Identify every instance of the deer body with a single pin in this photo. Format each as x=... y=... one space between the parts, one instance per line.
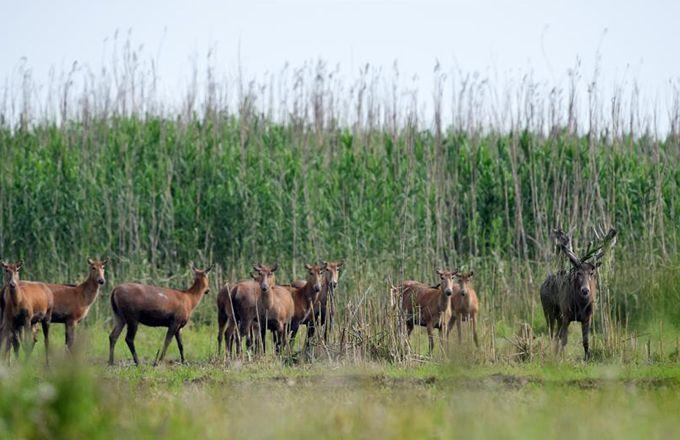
x=305 y=298
x=570 y=295
x=429 y=307
x=238 y=305
x=153 y=306
x=465 y=306
x=72 y=302
x=24 y=304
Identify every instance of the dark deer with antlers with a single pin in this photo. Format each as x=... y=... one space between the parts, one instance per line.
x=135 y=304
x=570 y=295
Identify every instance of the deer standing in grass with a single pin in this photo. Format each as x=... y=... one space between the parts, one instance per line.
x=570 y=295
x=236 y=303
x=306 y=298
x=277 y=309
x=23 y=305
x=324 y=308
x=429 y=307
x=72 y=302
x=153 y=306
x=465 y=305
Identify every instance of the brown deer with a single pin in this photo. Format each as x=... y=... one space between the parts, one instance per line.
x=135 y=304
x=23 y=305
x=306 y=298
x=429 y=307
x=277 y=308
x=465 y=305
x=324 y=308
x=235 y=304
x=72 y=302
x=570 y=295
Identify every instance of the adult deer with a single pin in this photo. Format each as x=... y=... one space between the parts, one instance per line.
x=324 y=307
x=153 y=306
x=465 y=305
x=72 y=302
x=23 y=305
x=570 y=295
x=306 y=298
x=429 y=307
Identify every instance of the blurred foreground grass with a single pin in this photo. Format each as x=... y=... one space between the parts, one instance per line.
x=268 y=398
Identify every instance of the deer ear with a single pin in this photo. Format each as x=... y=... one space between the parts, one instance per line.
x=209 y=268
x=308 y=267
x=340 y=264
x=256 y=267
x=105 y=260
x=20 y=264
x=471 y=273
x=3 y=264
x=90 y=262
x=439 y=272
x=274 y=267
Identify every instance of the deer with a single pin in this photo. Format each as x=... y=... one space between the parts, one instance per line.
x=465 y=305
x=72 y=302
x=324 y=308
x=153 y=306
x=23 y=305
x=570 y=295
x=277 y=308
x=237 y=303
x=429 y=307
x=306 y=298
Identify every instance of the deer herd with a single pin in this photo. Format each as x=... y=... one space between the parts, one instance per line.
x=248 y=308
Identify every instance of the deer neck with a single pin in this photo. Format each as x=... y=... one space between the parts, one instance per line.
x=197 y=291
x=89 y=289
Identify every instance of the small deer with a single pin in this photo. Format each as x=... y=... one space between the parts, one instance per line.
x=465 y=305
x=429 y=307
x=23 y=305
x=135 y=304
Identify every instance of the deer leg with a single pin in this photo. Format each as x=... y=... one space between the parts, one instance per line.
x=28 y=337
x=180 y=345
x=70 y=335
x=294 y=327
x=46 y=334
x=409 y=328
x=473 y=319
x=430 y=337
x=221 y=326
x=229 y=335
x=168 y=338
x=562 y=337
x=14 y=339
x=263 y=336
x=459 y=319
x=130 y=340
x=585 y=330
x=113 y=337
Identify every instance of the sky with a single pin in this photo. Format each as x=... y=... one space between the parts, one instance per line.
x=634 y=40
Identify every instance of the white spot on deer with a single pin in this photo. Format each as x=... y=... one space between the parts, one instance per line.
x=162 y=295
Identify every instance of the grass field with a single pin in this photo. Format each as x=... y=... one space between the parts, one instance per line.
x=265 y=398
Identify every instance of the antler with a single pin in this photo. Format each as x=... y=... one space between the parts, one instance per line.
x=564 y=243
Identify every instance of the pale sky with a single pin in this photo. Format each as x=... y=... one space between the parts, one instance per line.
x=636 y=39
